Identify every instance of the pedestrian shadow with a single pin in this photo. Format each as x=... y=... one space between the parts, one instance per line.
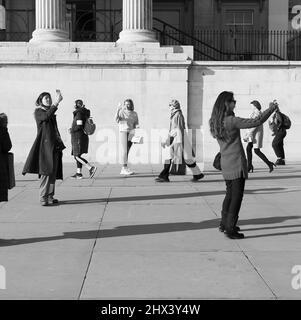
x=169 y=196
x=270 y=177
x=137 y=175
x=134 y=230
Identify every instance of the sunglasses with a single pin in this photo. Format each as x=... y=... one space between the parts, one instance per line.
x=234 y=101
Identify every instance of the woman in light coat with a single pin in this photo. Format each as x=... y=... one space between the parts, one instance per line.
x=254 y=138
x=180 y=146
x=127 y=120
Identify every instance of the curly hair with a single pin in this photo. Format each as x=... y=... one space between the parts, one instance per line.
x=218 y=114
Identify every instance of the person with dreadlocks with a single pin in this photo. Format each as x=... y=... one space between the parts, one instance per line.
x=180 y=147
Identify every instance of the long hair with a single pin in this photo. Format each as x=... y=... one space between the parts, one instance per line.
x=130 y=101
x=219 y=112
x=40 y=98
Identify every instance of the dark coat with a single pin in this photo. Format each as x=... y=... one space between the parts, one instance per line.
x=79 y=139
x=5 y=146
x=48 y=140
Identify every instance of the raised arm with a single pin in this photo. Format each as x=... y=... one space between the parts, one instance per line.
x=42 y=115
x=117 y=116
x=245 y=123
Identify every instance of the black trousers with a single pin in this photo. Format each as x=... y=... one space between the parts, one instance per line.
x=257 y=152
x=278 y=144
x=79 y=164
x=232 y=203
x=165 y=172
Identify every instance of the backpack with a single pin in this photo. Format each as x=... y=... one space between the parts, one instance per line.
x=89 y=127
x=286 y=121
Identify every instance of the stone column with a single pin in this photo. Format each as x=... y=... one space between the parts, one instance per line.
x=50 y=21
x=137 y=22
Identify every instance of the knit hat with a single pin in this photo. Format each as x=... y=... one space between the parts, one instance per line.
x=256 y=104
x=79 y=103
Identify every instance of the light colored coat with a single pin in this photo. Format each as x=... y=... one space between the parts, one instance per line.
x=255 y=135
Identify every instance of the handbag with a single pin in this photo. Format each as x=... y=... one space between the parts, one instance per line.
x=136 y=136
x=178 y=169
x=217 y=162
x=11 y=171
x=137 y=139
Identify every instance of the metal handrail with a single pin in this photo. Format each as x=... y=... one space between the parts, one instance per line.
x=194 y=39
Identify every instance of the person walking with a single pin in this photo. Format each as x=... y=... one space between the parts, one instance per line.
x=128 y=121
x=254 y=138
x=5 y=146
x=180 y=147
x=225 y=127
x=45 y=156
x=80 y=140
x=279 y=130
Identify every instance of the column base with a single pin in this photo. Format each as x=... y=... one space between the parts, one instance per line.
x=52 y=35
x=127 y=36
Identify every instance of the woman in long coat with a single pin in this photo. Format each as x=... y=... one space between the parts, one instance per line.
x=45 y=156
x=80 y=140
x=5 y=146
x=225 y=127
x=180 y=146
x=254 y=138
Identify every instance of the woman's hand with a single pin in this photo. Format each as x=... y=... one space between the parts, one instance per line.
x=59 y=96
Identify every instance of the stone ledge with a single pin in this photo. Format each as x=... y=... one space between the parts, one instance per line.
x=285 y=63
x=94 y=53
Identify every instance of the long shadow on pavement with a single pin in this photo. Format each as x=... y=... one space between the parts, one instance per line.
x=171 y=196
x=143 y=229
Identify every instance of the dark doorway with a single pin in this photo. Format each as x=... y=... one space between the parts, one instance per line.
x=81 y=20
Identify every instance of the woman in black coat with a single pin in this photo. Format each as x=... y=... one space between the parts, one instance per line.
x=5 y=146
x=80 y=140
x=279 y=130
x=45 y=156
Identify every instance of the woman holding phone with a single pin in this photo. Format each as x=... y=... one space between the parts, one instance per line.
x=45 y=156
x=225 y=127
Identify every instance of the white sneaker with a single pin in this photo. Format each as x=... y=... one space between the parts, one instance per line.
x=126 y=172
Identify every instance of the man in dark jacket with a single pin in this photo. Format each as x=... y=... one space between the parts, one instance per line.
x=80 y=140
x=45 y=156
x=5 y=146
x=277 y=124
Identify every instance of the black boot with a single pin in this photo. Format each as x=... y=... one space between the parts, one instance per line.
x=234 y=235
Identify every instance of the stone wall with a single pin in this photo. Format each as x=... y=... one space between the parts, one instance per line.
x=102 y=74
x=262 y=81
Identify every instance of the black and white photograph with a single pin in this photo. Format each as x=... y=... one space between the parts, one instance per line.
x=150 y=151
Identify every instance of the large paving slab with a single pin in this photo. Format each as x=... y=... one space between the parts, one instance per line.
x=172 y=275
x=130 y=237
x=45 y=261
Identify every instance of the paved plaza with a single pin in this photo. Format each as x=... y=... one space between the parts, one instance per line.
x=113 y=237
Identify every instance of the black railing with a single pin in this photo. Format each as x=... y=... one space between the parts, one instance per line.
x=218 y=45
x=229 y=45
